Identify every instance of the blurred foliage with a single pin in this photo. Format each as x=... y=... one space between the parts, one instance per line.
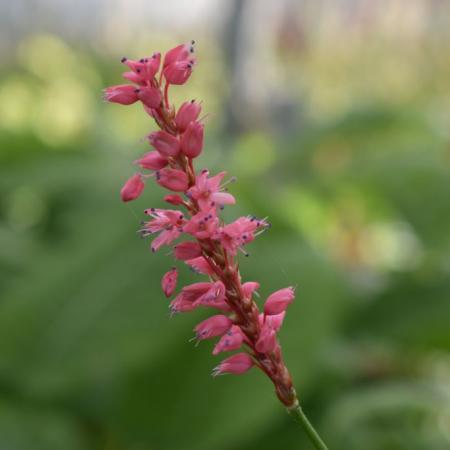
x=89 y=357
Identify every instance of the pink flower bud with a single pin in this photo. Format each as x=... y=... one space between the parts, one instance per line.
x=187 y=250
x=125 y=94
x=152 y=161
x=212 y=327
x=249 y=287
x=236 y=364
x=277 y=302
x=178 y=72
x=169 y=282
x=173 y=199
x=178 y=53
x=165 y=143
x=274 y=321
x=200 y=265
x=173 y=179
x=267 y=340
x=231 y=340
x=187 y=113
x=192 y=140
x=145 y=68
x=149 y=96
x=133 y=188
x=133 y=77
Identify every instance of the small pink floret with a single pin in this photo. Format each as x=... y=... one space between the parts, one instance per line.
x=133 y=188
x=173 y=179
x=187 y=250
x=152 y=161
x=236 y=364
x=124 y=94
x=165 y=143
x=192 y=139
x=231 y=340
x=212 y=327
x=277 y=302
x=169 y=282
x=187 y=113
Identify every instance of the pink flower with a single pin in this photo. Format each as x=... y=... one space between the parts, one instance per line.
x=200 y=265
x=173 y=199
x=236 y=364
x=249 y=287
x=231 y=340
x=149 y=96
x=178 y=72
x=207 y=191
x=166 y=144
x=125 y=94
x=169 y=282
x=133 y=188
x=144 y=69
x=277 y=302
x=274 y=321
x=192 y=139
x=173 y=179
x=202 y=225
x=214 y=297
x=152 y=161
x=165 y=221
x=187 y=113
x=212 y=327
x=185 y=300
x=187 y=250
x=238 y=233
x=267 y=340
x=179 y=53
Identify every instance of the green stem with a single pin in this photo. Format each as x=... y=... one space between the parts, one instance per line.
x=299 y=416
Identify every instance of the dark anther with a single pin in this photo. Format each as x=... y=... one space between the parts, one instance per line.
x=123 y=59
x=142 y=60
x=138 y=70
x=193 y=101
x=192 y=42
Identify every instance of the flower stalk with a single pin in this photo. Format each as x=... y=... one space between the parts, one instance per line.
x=212 y=246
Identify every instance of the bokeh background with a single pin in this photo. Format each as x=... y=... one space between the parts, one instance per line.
x=334 y=116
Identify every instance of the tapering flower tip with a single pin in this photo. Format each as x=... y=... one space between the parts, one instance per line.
x=133 y=188
x=172 y=179
x=236 y=364
x=173 y=199
x=124 y=94
x=277 y=302
x=169 y=282
x=187 y=113
x=179 y=71
x=192 y=139
x=249 y=287
x=166 y=144
x=231 y=340
x=200 y=265
x=152 y=161
x=179 y=53
x=187 y=250
x=149 y=96
x=212 y=327
x=267 y=340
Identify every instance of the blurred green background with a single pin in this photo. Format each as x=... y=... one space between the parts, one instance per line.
x=334 y=116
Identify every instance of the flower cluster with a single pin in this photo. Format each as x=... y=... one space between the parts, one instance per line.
x=209 y=246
